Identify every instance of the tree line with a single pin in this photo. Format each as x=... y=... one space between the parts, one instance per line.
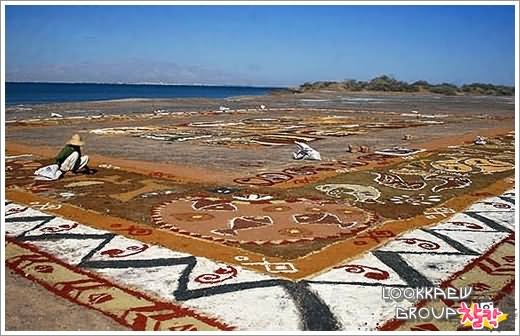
x=389 y=84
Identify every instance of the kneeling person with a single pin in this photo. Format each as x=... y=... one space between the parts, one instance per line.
x=70 y=158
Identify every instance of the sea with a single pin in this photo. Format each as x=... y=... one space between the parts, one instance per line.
x=44 y=93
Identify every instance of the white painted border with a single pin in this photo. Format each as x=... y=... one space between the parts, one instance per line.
x=271 y=3
x=142 y=284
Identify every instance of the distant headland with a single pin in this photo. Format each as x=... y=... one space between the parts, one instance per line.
x=387 y=83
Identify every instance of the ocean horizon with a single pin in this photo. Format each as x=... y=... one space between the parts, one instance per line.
x=19 y=93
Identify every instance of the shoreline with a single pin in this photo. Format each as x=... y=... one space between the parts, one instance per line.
x=55 y=93
x=271 y=93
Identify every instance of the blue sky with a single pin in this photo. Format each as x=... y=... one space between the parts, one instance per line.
x=259 y=45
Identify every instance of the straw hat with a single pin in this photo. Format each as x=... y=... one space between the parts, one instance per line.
x=75 y=140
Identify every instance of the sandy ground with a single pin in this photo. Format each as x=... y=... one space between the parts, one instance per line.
x=54 y=314
x=507 y=305
x=485 y=116
x=473 y=115
x=425 y=103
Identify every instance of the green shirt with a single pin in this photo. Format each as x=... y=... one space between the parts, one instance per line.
x=64 y=154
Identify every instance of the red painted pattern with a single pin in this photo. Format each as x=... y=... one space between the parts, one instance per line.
x=59 y=228
x=136 y=318
x=422 y=243
x=393 y=324
x=129 y=251
x=374 y=235
x=132 y=230
x=369 y=272
x=219 y=275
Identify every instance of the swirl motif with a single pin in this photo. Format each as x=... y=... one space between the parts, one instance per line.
x=219 y=275
x=376 y=274
x=60 y=228
x=468 y=225
x=118 y=253
x=422 y=243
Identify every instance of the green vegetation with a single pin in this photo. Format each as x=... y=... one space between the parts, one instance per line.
x=389 y=84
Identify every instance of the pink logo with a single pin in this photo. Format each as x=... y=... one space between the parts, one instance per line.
x=480 y=315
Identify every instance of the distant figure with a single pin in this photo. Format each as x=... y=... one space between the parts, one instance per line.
x=305 y=152
x=407 y=137
x=70 y=158
x=363 y=149
x=349 y=148
x=480 y=140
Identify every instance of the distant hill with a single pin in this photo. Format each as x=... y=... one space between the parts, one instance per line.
x=389 y=84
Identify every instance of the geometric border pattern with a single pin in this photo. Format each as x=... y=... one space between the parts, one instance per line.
x=308 y=265
x=130 y=308
x=328 y=301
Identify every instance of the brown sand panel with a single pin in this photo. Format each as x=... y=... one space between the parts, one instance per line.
x=149 y=185
x=348 y=249
x=300 y=180
x=95 y=192
x=308 y=265
x=143 y=233
x=449 y=185
x=274 y=221
x=291 y=251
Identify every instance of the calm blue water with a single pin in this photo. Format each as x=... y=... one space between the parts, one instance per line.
x=38 y=93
